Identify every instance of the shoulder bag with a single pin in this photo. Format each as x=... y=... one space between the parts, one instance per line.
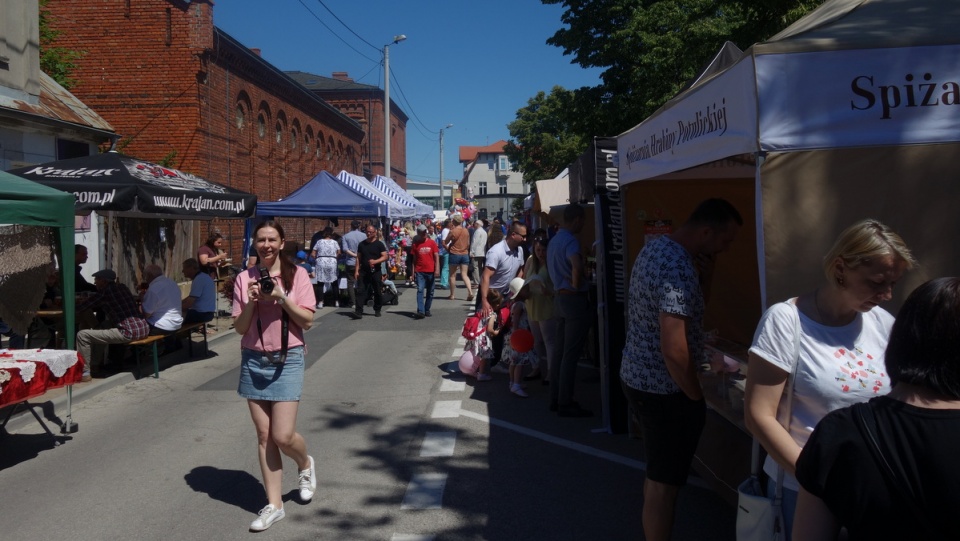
x=758 y=517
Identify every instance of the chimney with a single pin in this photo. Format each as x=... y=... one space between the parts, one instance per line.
x=255 y=51
x=342 y=76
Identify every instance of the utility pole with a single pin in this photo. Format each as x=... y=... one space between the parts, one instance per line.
x=386 y=104
x=441 y=165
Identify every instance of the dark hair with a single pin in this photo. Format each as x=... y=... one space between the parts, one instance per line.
x=327 y=232
x=287 y=267
x=923 y=343
x=535 y=262
x=515 y=224
x=715 y=213
x=495 y=298
x=572 y=212
x=212 y=238
x=355 y=224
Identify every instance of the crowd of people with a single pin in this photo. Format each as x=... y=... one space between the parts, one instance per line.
x=845 y=399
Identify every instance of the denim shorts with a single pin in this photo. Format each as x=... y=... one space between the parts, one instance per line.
x=459 y=260
x=262 y=380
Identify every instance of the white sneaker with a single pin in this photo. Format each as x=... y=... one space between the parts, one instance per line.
x=319 y=305
x=336 y=304
x=308 y=481
x=517 y=390
x=268 y=515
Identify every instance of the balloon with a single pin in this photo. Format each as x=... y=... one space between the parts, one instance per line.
x=468 y=363
x=521 y=340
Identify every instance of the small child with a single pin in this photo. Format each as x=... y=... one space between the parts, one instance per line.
x=481 y=347
x=518 y=320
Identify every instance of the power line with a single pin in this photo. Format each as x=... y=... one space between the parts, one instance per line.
x=345 y=25
x=319 y=20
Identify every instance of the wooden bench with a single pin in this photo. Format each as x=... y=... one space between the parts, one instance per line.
x=153 y=339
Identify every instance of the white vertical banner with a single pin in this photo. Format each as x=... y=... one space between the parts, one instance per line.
x=715 y=121
x=865 y=97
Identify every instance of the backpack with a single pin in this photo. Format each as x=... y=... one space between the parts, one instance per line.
x=473 y=327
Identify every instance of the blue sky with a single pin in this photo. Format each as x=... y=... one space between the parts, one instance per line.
x=470 y=64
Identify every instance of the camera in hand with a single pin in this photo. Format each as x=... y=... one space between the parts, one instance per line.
x=266 y=283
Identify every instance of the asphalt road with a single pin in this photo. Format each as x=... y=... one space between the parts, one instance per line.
x=405 y=451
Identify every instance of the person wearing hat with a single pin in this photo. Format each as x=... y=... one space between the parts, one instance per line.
x=123 y=322
x=426 y=262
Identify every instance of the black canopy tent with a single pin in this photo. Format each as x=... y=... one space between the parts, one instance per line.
x=135 y=188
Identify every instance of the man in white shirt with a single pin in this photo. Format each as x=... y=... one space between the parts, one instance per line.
x=161 y=302
x=478 y=250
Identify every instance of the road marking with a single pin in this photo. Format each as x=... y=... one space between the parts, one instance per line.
x=462 y=341
x=438 y=444
x=457 y=353
x=425 y=491
x=412 y=537
x=446 y=409
x=629 y=462
x=452 y=385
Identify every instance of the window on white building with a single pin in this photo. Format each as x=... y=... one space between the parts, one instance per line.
x=503 y=189
x=504 y=163
x=482 y=188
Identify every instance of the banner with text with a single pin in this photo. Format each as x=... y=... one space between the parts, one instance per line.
x=716 y=121
x=859 y=98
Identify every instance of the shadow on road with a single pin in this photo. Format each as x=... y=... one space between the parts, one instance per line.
x=234 y=487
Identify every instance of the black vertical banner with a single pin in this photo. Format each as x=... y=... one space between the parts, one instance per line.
x=594 y=176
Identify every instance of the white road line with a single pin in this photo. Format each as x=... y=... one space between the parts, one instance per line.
x=636 y=464
x=461 y=341
x=457 y=353
x=425 y=491
x=438 y=444
x=411 y=537
x=446 y=409
x=452 y=385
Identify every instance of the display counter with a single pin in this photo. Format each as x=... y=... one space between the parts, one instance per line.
x=29 y=373
x=723 y=453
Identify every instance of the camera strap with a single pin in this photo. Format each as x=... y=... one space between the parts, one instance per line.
x=284 y=333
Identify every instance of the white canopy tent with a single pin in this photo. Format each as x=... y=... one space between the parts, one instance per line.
x=852 y=112
x=363 y=187
x=387 y=185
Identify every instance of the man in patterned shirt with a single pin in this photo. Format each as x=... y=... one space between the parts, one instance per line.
x=123 y=324
x=664 y=349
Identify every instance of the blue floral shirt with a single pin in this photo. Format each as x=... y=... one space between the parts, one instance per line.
x=663 y=280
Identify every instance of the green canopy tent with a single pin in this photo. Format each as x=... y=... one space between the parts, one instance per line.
x=27 y=203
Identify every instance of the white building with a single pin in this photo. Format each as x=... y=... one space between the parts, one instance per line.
x=487 y=172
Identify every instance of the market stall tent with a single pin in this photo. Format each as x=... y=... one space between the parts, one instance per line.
x=852 y=112
x=386 y=184
x=27 y=203
x=364 y=188
x=323 y=196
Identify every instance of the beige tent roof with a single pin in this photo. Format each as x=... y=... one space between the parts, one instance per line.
x=869 y=24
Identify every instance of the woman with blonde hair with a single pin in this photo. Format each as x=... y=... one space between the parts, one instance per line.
x=823 y=350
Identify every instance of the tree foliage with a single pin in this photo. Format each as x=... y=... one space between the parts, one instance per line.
x=550 y=137
x=57 y=62
x=649 y=50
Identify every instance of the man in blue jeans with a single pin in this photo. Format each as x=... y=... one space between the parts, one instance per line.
x=426 y=261
x=350 y=243
x=572 y=308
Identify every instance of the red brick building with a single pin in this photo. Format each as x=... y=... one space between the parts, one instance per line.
x=176 y=88
x=364 y=103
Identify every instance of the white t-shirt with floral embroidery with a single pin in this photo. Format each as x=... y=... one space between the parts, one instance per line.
x=663 y=280
x=839 y=366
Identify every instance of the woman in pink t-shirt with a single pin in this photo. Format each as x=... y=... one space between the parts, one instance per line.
x=271 y=369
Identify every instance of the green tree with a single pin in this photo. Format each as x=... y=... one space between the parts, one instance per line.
x=649 y=50
x=546 y=137
x=57 y=62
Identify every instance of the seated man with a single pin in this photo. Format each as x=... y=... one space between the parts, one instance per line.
x=161 y=302
x=201 y=304
x=123 y=322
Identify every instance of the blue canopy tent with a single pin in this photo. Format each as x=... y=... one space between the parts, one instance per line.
x=323 y=195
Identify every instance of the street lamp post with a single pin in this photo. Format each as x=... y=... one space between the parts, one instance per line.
x=441 y=164
x=386 y=104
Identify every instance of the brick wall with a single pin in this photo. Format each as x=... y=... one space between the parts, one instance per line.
x=171 y=84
